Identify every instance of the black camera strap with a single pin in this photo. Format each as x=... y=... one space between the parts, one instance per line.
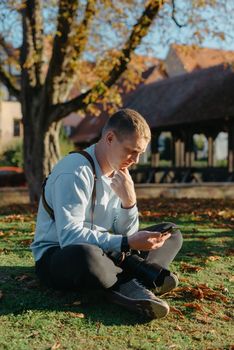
x=50 y=211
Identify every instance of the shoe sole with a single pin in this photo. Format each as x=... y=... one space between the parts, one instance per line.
x=146 y=307
x=170 y=283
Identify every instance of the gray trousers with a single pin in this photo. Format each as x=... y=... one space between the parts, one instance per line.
x=87 y=266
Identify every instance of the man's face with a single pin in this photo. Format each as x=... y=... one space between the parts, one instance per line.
x=124 y=153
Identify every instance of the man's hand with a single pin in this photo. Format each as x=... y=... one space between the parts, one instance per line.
x=123 y=186
x=146 y=240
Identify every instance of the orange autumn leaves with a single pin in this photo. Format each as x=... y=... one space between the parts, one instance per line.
x=196 y=296
x=220 y=212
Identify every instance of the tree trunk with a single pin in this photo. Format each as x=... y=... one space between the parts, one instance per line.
x=40 y=156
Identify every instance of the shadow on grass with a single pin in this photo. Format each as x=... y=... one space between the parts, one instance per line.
x=203 y=244
x=18 y=209
x=22 y=292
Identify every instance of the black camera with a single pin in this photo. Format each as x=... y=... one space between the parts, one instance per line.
x=151 y=274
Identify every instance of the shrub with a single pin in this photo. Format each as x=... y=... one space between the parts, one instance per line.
x=13 y=155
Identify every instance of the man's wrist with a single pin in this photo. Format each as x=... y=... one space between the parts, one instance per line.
x=128 y=206
x=125 y=245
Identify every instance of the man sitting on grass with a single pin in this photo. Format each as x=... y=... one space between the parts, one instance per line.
x=88 y=211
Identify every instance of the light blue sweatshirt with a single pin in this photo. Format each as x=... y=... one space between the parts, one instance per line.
x=68 y=192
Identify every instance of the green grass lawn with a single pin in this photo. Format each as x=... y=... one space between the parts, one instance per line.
x=32 y=317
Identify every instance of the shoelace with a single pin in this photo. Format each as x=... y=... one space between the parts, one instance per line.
x=146 y=291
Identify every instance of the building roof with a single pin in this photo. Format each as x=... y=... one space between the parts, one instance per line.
x=89 y=127
x=190 y=97
x=199 y=96
x=194 y=57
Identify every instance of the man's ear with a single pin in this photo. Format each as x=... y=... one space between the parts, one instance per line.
x=109 y=137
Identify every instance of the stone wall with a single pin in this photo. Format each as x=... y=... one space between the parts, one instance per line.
x=205 y=190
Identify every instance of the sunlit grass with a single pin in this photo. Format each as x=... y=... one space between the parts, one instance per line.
x=33 y=317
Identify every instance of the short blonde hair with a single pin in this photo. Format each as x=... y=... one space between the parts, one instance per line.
x=127 y=121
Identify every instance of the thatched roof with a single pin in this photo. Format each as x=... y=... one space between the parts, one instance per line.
x=200 y=96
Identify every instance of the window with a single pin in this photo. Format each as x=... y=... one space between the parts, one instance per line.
x=16 y=127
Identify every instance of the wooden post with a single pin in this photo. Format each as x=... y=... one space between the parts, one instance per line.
x=231 y=147
x=155 y=156
x=182 y=152
x=210 y=151
x=179 y=151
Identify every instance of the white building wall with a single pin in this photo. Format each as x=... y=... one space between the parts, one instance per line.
x=9 y=111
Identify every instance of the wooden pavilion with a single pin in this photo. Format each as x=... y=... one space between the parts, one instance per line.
x=194 y=103
x=200 y=102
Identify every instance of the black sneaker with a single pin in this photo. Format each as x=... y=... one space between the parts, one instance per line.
x=135 y=297
x=170 y=282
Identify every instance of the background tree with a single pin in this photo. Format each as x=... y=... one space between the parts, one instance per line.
x=44 y=86
x=59 y=45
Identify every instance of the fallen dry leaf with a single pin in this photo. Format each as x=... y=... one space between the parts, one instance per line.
x=213 y=258
x=176 y=311
x=178 y=328
x=26 y=242
x=14 y=217
x=184 y=279
x=201 y=291
x=56 y=346
x=222 y=289
x=195 y=306
x=185 y=267
x=33 y=334
x=204 y=319
x=211 y=294
x=75 y=314
x=227 y=318
x=22 y=278
x=226 y=214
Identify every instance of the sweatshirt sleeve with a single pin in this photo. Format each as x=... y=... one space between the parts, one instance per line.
x=126 y=221
x=71 y=196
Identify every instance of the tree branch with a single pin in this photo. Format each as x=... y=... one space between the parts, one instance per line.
x=36 y=23
x=76 y=44
x=27 y=52
x=173 y=15
x=66 y=15
x=7 y=80
x=139 y=30
x=80 y=37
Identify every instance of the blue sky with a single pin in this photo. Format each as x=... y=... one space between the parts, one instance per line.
x=218 y=19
